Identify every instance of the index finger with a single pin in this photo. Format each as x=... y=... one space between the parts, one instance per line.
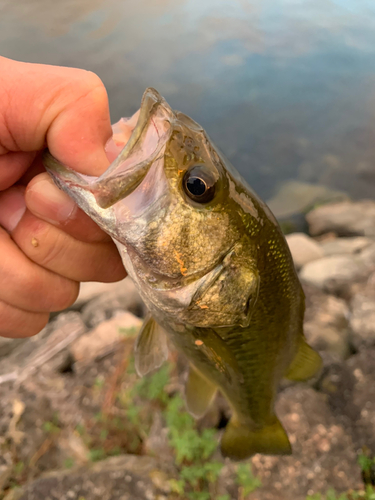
x=64 y=108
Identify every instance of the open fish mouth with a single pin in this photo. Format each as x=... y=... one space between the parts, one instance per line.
x=128 y=170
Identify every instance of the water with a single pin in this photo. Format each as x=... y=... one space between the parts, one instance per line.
x=286 y=88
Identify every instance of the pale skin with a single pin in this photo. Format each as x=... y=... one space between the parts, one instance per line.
x=47 y=244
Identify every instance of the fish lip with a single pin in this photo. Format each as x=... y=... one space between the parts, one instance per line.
x=102 y=187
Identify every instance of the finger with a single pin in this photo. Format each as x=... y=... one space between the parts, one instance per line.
x=45 y=200
x=53 y=249
x=13 y=166
x=16 y=323
x=26 y=285
x=66 y=108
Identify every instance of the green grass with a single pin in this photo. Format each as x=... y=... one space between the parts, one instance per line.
x=246 y=479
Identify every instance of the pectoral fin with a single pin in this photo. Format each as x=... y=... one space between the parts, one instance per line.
x=218 y=353
x=199 y=393
x=305 y=365
x=242 y=440
x=151 y=349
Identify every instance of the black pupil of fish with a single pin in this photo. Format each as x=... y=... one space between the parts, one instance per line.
x=196 y=186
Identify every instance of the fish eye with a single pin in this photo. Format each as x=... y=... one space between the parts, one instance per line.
x=199 y=184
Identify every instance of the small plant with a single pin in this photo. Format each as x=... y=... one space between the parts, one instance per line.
x=69 y=463
x=246 y=479
x=369 y=494
x=367 y=464
x=153 y=388
x=193 y=451
x=199 y=495
x=52 y=426
x=18 y=468
x=97 y=454
x=128 y=332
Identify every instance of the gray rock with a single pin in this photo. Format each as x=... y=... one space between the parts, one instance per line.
x=296 y=197
x=122 y=297
x=345 y=218
x=50 y=347
x=92 y=289
x=350 y=388
x=126 y=477
x=367 y=257
x=362 y=319
x=157 y=443
x=303 y=248
x=334 y=274
x=326 y=323
x=345 y=245
x=8 y=345
x=104 y=338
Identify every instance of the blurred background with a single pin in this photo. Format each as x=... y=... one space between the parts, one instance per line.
x=284 y=87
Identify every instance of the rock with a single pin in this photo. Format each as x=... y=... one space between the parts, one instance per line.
x=333 y=274
x=350 y=388
x=367 y=257
x=5 y=473
x=345 y=245
x=303 y=248
x=345 y=218
x=91 y=289
x=324 y=453
x=116 y=478
x=156 y=442
x=296 y=197
x=326 y=324
x=8 y=345
x=362 y=319
x=49 y=347
x=122 y=297
x=104 y=338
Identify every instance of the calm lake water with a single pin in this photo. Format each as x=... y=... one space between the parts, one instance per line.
x=286 y=88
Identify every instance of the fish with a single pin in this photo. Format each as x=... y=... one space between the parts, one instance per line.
x=212 y=266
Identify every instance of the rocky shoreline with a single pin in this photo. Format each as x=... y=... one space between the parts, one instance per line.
x=53 y=385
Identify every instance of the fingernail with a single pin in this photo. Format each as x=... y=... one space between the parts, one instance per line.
x=12 y=208
x=47 y=201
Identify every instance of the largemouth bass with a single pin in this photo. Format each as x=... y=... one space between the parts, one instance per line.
x=212 y=266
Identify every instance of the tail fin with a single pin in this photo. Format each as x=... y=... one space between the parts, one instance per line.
x=241 y=441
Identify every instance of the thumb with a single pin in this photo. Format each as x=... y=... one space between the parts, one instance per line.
x=65 y=109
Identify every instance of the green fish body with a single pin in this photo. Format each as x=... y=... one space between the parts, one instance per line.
x=212 y=266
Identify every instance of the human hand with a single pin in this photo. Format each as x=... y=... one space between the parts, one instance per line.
x=47 y=244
